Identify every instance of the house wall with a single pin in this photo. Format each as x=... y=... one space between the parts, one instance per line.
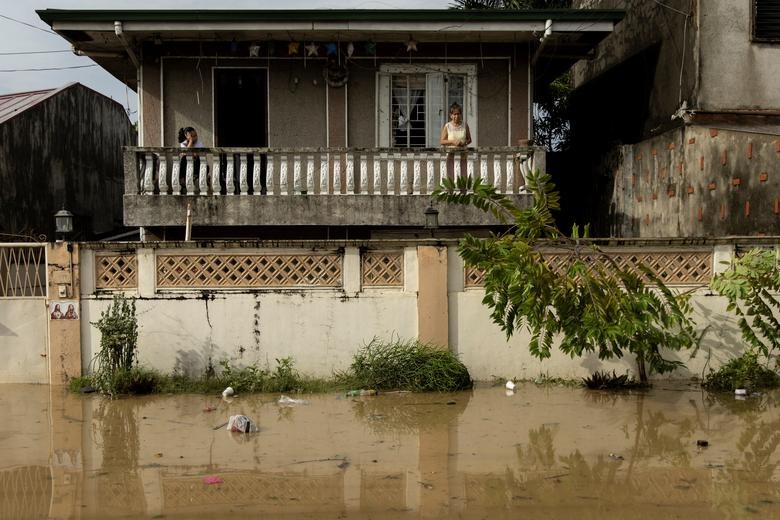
x=636 y=71
x=66 y=150
x=298 y=98
x=736 y=73
x=695 y=181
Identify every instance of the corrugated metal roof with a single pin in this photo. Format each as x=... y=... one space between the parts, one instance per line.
x=13 y=104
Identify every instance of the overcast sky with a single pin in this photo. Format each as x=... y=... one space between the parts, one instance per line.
x=16 y=37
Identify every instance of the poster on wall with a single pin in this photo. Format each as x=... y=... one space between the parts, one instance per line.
x=63 y=310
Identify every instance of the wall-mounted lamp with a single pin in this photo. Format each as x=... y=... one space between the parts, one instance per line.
x=431 y=218
x=63 y=223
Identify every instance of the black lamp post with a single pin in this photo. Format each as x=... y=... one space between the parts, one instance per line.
x=63 y=223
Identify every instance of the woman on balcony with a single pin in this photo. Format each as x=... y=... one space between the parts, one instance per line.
x=456 y=132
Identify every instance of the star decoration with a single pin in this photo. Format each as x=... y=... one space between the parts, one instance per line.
x=331 y=49
x=350 y=49
x=311 y=49
x=370 y=48
x=292 y=48
x=411 y=45
x=254 y=50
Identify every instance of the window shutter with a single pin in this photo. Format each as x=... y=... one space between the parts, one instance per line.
x=766 y=21
x=435 y=108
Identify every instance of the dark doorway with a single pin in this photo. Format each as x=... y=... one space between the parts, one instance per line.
x=240 y=105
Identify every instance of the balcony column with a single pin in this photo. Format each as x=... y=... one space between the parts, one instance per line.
x=432 y=312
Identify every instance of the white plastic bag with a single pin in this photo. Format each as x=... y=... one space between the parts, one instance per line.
x=241 y=424
x=289 y=401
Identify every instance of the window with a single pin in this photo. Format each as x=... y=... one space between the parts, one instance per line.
x=413 y=102
x=766 y=20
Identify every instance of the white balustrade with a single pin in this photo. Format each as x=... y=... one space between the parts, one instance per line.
x=320 y=171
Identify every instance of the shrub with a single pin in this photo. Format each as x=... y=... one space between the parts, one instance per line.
x=744 y=371
x=114 y=362
x=406 y=365
x=606 y=381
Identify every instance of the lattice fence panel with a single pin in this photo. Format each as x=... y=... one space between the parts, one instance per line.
x=672 y=267
x=256 y=488
x=246 y=271
x=22 y=271
x=116 y=271
x=383 y=269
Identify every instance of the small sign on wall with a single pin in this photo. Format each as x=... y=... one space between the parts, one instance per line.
x=63 y=310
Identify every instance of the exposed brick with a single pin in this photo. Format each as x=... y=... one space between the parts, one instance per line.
x=713 y=132
x=690 y=189
x=671 y=192
x=747 y=208
x=655 y=195
x=647 y=219
x=639 y=156
x=672 y=146
x=763 y=176
x=724 y=157
x=633 y=180
x=664 y=173
x=722 y=211
x=750 y=150
x=701 y=163
x=736 y=181
x=777 y=205
x=692 y=140
x=711 y=186
x=680 y=167
x=654 y=152
x=777 y=145
x=639 y=198
x=701 y=214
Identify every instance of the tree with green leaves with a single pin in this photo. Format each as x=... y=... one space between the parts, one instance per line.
x=590 y=305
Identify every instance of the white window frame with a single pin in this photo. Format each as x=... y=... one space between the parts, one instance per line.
x=383 y=93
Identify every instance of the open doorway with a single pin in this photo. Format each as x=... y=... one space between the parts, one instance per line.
x=240 y=107
x=241 y=117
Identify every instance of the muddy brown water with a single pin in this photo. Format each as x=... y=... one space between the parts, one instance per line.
x=543 y=452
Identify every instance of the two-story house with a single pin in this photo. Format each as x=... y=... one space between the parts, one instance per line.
x=324 y=123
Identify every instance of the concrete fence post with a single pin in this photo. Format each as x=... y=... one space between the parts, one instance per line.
x=64 y=312
x=432 y=304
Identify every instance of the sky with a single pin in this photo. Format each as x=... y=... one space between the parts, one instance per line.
x=47 y=50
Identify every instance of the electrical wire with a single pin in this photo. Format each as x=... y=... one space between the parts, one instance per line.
x=27 y=24
x=31 y=52
x=48 y=68
x=671 y=8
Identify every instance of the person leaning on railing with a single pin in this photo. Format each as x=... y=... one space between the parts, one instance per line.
x=188 y=138
x=455 y=132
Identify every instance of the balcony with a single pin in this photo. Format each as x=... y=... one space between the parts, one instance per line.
x=378 y=187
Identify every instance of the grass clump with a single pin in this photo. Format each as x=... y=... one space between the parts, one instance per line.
x=744 y=371
x=406 y=365
x=603 y=380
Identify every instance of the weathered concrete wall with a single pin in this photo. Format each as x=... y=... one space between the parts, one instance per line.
x=64 y=335
x=736 y=73
x=694 y=181
x=65 y=150
x=24 y=341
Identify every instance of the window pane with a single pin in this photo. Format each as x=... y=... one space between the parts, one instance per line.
x=455 y=92
x=407 y=106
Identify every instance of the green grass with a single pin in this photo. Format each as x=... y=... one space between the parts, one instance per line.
x=744 y=371
x=406 y=365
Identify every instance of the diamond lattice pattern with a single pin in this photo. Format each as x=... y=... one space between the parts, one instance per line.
x=383 y=269
x=116 y=271
x=673 y=267
x=249 y=271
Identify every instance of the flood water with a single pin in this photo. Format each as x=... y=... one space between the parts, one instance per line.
x=543 y=452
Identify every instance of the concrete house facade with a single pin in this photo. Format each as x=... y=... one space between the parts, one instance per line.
x=690 y=91
x=324 y=123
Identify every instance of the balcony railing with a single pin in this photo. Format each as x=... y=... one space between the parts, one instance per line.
x=318 y=171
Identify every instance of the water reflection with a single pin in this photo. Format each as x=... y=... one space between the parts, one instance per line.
x=541 y=453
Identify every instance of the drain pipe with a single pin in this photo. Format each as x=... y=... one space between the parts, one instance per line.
x=542 y=41
x=96 y=54
x=119 y=31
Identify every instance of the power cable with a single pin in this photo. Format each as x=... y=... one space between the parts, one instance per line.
x=31 y=52
x=48 y=68
x=27 y=24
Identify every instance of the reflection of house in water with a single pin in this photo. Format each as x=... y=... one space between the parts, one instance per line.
x=542 y=453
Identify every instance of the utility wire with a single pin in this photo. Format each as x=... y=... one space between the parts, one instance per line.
x=31 y=52
x=671 y=8
x=27 y=24
x=49 y=68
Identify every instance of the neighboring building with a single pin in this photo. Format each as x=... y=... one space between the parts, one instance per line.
x=61 y=148
x=691 y=90
x=324 y=123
